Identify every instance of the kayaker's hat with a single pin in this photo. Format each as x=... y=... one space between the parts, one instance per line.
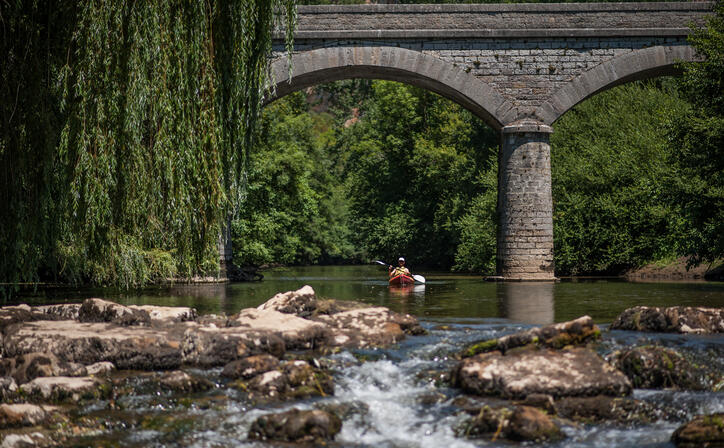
x=401 y=259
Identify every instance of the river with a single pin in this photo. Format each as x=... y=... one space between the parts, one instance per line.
x=393 y=400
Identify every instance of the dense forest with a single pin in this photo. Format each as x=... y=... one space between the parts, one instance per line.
x=120 y=163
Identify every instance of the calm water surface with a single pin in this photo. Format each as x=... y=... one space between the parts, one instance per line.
x=444 y=295
x=389 y=389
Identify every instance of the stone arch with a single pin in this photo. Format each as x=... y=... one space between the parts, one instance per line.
x=640 y=64
x=394 y=64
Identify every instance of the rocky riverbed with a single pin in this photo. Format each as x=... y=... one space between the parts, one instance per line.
x=301 y=370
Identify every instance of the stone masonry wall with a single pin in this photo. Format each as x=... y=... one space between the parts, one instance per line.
x=525 y=71
x=525 y=205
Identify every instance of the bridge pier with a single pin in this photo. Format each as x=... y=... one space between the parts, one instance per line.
x=525 y=203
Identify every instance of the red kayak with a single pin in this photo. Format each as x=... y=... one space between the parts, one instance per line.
x=402 y=279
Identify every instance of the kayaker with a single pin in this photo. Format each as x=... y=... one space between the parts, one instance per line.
x=400 y=269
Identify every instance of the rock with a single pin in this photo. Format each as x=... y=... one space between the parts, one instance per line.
x=181 y=381
x=26 y=440
x=68 y=311
x=603 y=408
x=167 y=314
x=487 y=421
x=676 y=319
x=296 y=332
x=368 y=327
x=29 y=366
x=99 y=310
x=14 y=415
x=315 y=426
x=268 y=385
x=701 y=432
x=527 y=423
x=542 y=401
x=8 y=387
x=306 y=381
x=63 y=388
x=100 y=368
x=652 y=367
x=302 y=302
x=559 y=373
x=518 y=423
x=576 y=332
x=208 y=347
x=139 y=348
x=250 y=367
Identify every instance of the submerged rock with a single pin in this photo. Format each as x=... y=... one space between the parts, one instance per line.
x=315 y=426
x=559 y=373
x=652 y=367
x=522 y=423
x=294 y=379
x=62 y=388
x=576 y=332
x=701 y=432
x=181 y=381
x=605 y=408
x=675 y=319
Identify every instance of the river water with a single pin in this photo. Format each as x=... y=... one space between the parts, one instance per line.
x=391 y=398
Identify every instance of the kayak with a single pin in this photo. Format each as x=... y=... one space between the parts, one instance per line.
x=402 y=279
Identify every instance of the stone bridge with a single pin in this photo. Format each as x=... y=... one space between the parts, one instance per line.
x=519 y=67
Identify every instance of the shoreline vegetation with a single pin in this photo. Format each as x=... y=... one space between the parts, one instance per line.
x=114 y=176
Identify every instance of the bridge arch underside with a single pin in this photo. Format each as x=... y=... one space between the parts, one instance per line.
x=525 y=204
x=392 y=64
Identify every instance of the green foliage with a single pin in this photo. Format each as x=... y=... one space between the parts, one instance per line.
x=697 y=137
x=124 y=131
x=413 y=171
x=294 y=210
x=611 y=178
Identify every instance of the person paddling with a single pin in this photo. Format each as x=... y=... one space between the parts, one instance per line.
x=400 y=269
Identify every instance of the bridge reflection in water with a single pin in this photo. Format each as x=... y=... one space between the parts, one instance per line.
x=530 y=303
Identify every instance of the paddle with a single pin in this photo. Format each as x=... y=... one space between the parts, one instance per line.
x=418 y=278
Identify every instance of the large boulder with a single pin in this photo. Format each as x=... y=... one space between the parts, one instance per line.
x=559 y=373
x=315 y=426
x=99 y=310
x=675 y=319
x=302 y=302
x=65 y=311
x=701 y=432
x=652 y=367
x=140 y=348
x=576 y=332
x=369 y=327
x=297 y=333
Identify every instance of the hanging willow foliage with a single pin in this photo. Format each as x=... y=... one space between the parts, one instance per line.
x=153 y=106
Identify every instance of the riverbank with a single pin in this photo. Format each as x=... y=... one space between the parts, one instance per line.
x=677 y=269
x=299 y=368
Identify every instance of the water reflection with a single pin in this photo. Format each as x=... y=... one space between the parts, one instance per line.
x=530 y=303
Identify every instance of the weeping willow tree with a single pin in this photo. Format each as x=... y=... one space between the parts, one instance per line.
x=125 y=127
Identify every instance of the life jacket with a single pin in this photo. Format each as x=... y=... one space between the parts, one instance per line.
x=399 y=271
